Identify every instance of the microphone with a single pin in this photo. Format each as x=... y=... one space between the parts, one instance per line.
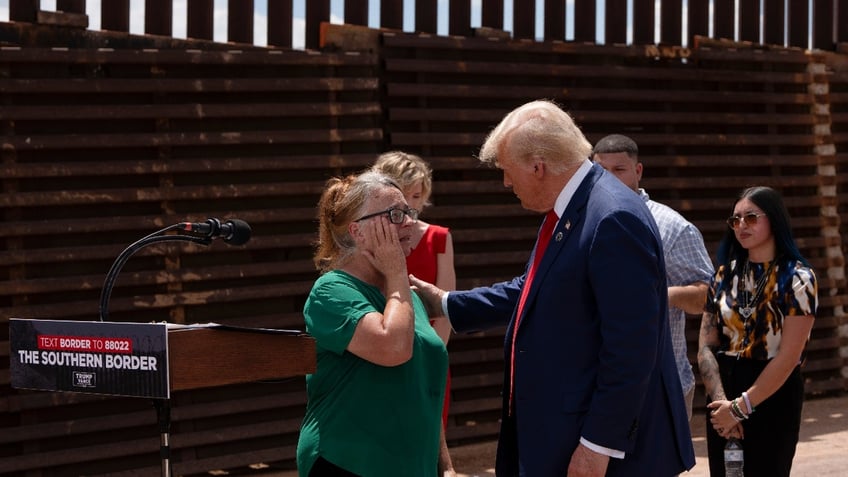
x=233 y=231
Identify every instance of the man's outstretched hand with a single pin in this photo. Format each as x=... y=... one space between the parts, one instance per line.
x=430 y=294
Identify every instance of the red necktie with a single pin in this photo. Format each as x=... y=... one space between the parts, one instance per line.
x=541 y=244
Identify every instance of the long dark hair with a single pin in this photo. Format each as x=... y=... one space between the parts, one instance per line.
x=770 y=201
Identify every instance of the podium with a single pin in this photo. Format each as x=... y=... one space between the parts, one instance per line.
x=218 y=356
x=151 y=359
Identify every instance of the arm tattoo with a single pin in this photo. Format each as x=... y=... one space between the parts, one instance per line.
x=707 y=364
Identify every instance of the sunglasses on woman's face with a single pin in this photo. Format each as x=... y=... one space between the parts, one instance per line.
x=750 y=219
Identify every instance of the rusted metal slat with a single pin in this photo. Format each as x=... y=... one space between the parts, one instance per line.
x=699 y=18
x=774 y=14
x=101 y=141
x=157 y=277
x=749 y=20
x=523 y=19
x=471 y=45
x=584 y=21
x=182 y=439
x=671 y=22
x=73 y=6
x=492 y=14
x=115 y=112
x=643 y=22
x=186 y=59
x=692 y=76
x=797 y=23
x=471 y=139
x=823 y=13
x=161 y=302
x=732 y=184
x=115 y=224
x=176 y=166
x=23 y=10
x=616 y=22
x=30 y=432
x=555 y=14
x=492 y=258
x=200 y=19
x=426 y=16
x=459 y=17
x=317 y=11
x=356 y=12
x=192 y=85
x=568 y=94
x=723 y=19
x=391 y=14
x=280 y=16
x=115 y=15
x=842 y=24
x=240 y=21
x=158 y=17
x=118 y=195
x=584 y=117
x=107 y=252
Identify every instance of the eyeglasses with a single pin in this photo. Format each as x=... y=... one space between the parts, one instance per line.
x=396 y=216
x=751 y=218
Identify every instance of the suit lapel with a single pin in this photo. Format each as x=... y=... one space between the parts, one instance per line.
x=568 y=225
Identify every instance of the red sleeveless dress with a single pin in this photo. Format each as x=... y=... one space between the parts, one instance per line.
x=422 y=263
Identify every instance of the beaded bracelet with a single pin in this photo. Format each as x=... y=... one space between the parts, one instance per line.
x=736 y=411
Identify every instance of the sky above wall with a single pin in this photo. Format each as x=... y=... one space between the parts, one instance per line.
x=260 y=20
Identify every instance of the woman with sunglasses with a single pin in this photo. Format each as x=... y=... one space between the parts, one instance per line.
x=756 y=323
x=375 y=399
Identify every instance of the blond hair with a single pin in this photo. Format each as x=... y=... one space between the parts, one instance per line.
x=538 y=129
x=407 y=170
x=341 y=203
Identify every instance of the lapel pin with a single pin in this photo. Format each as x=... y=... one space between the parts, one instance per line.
x=567 y=225
x=558 y=237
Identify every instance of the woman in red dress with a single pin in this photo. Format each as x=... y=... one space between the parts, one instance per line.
x=431 y=259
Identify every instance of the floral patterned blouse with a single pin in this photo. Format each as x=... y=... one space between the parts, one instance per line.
x=768 y=294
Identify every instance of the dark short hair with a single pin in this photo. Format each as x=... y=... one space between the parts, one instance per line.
x=616 y=143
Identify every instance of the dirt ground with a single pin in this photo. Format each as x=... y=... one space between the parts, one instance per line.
x=822 y=449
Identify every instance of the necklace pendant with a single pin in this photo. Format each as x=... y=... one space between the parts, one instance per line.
x=746 y=311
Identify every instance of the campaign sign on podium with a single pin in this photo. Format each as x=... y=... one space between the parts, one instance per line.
x=123 y=359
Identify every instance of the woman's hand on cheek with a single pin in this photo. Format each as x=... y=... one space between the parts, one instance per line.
x=382 y=246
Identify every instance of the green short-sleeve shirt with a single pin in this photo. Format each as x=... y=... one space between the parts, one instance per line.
x=368 y=419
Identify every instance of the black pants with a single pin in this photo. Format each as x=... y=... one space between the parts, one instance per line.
x=324 y=468
x=771 y=433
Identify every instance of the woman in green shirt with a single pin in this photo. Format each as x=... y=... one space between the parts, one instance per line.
x=375 y=400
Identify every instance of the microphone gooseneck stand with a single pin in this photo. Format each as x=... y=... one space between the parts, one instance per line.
x=119 y=262
x=163 y=406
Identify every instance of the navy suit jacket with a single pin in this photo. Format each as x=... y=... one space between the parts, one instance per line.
x=593 y=352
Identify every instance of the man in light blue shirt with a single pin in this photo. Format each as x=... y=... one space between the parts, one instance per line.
x=688 y=265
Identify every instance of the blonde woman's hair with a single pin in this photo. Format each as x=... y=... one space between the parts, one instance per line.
x=341 y=203
x=538 y=129
x=407 y=170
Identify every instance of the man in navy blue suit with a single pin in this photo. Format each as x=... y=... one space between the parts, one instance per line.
x=590 y=386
